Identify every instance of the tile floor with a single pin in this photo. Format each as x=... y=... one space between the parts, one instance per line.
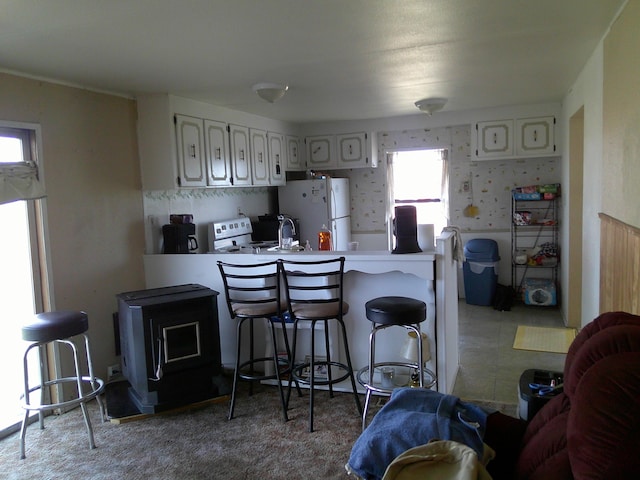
x=489 y=367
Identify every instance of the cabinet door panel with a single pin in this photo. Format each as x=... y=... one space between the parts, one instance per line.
x=241 y=170
x=535 y=136
x=191 y=165
x=294 y=159
x=259 y=160
x=276 y=158
x=352 y=150
x=495 y=139
x=217 y=153
x=321 y=151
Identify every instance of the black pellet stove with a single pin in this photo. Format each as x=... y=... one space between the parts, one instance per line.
x=170 y=346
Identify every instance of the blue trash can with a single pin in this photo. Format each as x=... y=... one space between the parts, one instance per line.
x=480 y=270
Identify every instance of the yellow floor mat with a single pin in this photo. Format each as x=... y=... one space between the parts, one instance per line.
x=544 y=339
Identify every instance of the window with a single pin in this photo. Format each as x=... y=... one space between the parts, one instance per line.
x=19 y=173
x=419 y=178
x=22 y=291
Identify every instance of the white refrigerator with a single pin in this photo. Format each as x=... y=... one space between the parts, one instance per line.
x=319 y=202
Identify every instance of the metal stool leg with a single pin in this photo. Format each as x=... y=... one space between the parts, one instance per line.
x=236 y=371
x=367 y=397
x=92 y=379
x=83 y=407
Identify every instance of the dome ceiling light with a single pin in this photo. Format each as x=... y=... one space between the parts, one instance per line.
x=271 y=92
x=431 y=105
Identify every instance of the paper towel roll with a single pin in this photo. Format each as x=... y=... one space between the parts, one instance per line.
x=425 y=237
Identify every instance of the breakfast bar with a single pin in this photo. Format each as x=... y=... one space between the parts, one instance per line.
x=368 y=274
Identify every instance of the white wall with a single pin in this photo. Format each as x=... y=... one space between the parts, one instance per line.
x=94 y=199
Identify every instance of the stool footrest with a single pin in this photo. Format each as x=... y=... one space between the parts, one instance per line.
x=428 y=382
x=296 y=373
x=68 y=403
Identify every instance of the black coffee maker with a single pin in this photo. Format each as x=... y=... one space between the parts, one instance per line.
x=405 y=228
x=179 y=238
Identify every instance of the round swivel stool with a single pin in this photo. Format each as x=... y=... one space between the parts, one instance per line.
x=384 y=312
x=58 y=327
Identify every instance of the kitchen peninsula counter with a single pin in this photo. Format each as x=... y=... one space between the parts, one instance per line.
x=368 y=274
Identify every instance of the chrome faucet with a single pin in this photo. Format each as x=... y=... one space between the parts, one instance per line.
x=283 y=220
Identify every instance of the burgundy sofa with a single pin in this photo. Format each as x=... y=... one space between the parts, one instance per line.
x=592 y=429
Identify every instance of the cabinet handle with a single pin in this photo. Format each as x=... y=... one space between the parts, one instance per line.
x=535 y=135
x=192 y=147
x=260 y=157
x=242 y=155
x=495 y=138
x=350 y=149
x=277 y=158
x=295 y=152
x=218 y=153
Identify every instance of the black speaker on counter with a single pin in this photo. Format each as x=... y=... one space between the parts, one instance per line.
x=405 y=228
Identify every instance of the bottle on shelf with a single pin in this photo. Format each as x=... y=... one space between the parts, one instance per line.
x=307 y=247
x=324 y=239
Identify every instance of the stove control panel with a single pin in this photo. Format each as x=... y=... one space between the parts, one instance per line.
x=229 y=232
x=232 y=228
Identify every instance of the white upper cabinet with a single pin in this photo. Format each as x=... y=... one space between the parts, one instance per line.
x=344 y=150
x=217 y=153
x=320 y=152
x=355 y=150
x=276 y=144
x=240 y=161
x=535 y=136
x=495 y=139
x=514 y=138
x=191 y=164
x=190 y=144
x=259 y=157
x=294 y=159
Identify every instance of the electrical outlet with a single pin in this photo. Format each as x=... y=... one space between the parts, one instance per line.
x=113 y=371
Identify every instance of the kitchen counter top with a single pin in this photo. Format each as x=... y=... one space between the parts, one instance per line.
x=368 y=274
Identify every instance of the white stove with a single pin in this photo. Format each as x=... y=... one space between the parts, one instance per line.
x=234 y=236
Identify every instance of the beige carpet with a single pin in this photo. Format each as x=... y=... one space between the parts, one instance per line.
x=197 y=444
x=544 y=339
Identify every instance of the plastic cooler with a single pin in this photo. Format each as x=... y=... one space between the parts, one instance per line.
x=480 y=270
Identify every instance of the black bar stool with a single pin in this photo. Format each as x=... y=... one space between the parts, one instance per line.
x=314 y=292
x=384 y=312
x=252 y=292
x=59 y=327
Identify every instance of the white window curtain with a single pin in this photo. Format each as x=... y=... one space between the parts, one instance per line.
x=445 y=185
x=20 y=180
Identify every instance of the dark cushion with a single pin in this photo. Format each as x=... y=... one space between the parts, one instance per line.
x=49 y=326
x=603 y=430
x=396 y=310
x=545 y=454
x=601 y=322
x=609 y=341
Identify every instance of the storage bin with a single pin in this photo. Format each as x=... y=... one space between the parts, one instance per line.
x=480 y=270
x=530 y=401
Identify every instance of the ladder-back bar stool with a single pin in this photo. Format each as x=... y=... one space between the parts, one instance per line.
x=252 y=292
x=59 y=327
x=314 y=292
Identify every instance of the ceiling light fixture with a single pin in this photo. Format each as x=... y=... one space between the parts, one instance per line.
x=271 y=92
x=430 y=105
